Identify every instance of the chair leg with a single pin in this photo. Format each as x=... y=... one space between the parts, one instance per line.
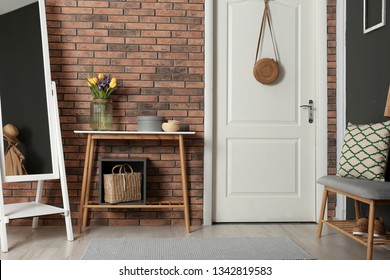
x=357 y=210
x=370 y=237
x=323 y=207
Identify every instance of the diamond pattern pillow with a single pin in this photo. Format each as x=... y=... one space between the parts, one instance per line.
x=364 y=152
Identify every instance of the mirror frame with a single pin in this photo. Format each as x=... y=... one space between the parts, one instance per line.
x=54 y=133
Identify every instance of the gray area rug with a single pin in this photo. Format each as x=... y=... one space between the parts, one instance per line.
x=260 y=248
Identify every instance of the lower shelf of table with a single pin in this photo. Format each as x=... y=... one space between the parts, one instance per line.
x=346 y=227
x=156 y=205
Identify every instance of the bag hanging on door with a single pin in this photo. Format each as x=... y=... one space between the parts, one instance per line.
x=266 y=70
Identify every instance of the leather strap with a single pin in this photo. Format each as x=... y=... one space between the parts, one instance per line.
x=266 y=18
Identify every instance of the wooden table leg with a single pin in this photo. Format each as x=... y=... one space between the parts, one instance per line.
x=88 y=183
x=84 y=185
x=184 y=184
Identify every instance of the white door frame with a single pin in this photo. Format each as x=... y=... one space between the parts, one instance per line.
x=341 y=29
x=321 y=106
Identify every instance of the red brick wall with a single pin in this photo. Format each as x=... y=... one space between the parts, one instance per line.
x=331 y=16
x=156 y=51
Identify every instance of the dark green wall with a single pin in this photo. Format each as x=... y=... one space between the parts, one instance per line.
x=367 y=73
x=368 y=66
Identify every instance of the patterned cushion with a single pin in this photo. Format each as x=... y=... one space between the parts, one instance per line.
x=364 y=152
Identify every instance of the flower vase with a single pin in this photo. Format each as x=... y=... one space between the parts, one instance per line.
x=101 y=114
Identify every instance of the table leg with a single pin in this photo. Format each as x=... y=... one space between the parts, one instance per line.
x=88 y=183
x=84 y=185
x=184 y=184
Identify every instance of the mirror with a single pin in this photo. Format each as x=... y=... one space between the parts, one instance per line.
x=26 y=101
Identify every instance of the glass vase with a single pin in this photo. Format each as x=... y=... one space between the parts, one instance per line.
x=101 y=114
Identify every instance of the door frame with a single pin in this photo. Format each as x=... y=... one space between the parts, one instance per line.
x=321 y=106
x=341 y=88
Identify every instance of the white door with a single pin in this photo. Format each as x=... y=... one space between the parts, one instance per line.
x=264 y=143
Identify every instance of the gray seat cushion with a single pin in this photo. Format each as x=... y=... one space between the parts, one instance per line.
x=360 y=187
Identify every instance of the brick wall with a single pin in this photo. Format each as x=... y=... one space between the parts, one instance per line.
x=155 y=48
x=331 y=16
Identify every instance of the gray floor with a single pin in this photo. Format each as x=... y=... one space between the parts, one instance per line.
x=47 y=242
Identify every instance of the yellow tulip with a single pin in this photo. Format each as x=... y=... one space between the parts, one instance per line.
x=92 y=81
x=100 y=76
x=113 y=83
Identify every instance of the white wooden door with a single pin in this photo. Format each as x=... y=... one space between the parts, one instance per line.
x=264 y=144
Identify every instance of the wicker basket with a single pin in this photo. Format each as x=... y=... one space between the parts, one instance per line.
x=122 y=186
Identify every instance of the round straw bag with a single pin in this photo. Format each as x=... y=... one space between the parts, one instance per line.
x=266 y=70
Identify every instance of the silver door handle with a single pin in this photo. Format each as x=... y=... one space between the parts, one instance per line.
x=309 y=106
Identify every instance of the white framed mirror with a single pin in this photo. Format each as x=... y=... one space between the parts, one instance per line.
x=381 y=11
x=26 y=100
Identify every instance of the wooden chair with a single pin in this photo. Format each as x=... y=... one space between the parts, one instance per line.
x=372 y=193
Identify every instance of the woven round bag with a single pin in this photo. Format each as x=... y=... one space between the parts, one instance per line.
x=266 y=70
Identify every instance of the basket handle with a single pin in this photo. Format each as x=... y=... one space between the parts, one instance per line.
x=122 y=167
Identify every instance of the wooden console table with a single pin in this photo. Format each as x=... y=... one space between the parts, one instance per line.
x=93 y=136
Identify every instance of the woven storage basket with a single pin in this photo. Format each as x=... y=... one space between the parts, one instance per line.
x=122 y=186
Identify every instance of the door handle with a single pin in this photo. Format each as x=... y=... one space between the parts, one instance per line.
x=309 y=106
